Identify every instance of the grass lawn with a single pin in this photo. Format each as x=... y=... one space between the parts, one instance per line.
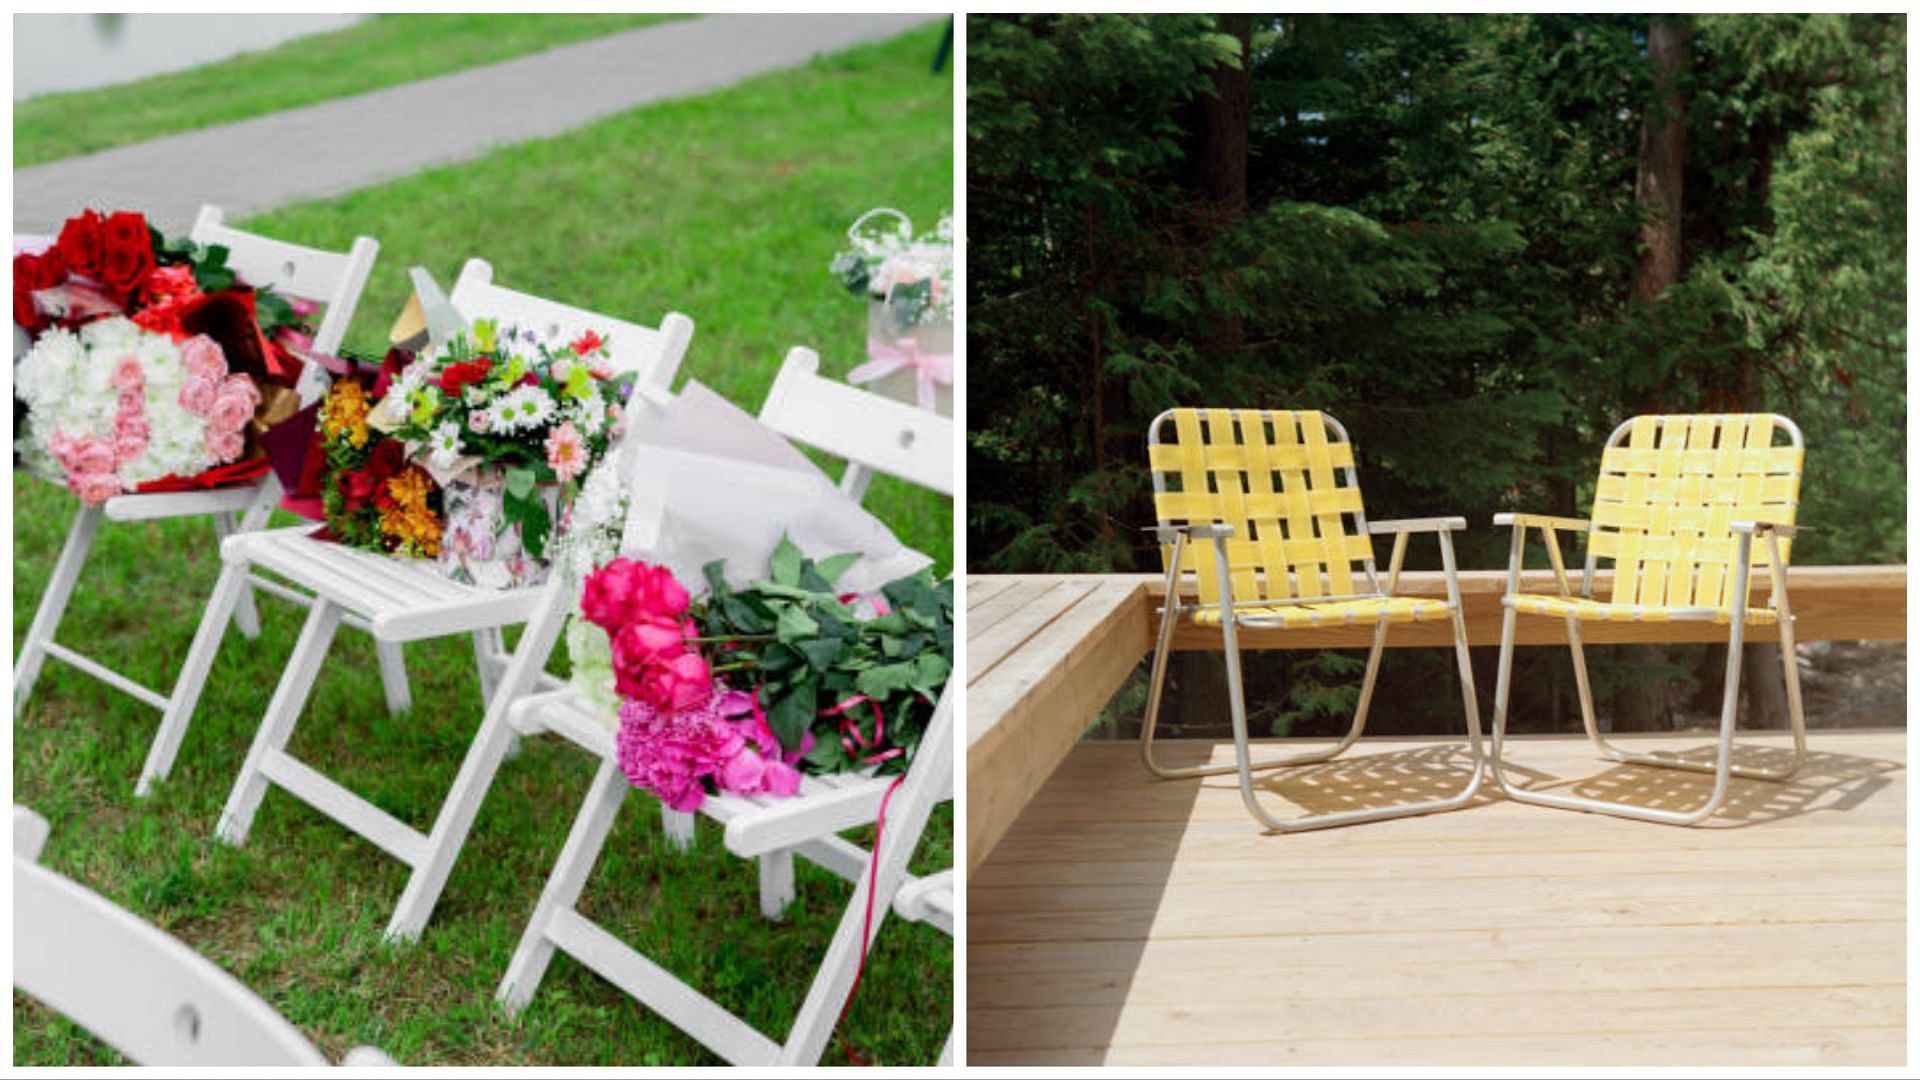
x=725 y=207
x=380 y=51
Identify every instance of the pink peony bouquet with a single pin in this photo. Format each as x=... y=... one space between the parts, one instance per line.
x=744 y=690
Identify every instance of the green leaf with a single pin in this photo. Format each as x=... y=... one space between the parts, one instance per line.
x=930 y=671
x=785 y=564
x=833 y=567
x=520 y=483
x=886 y=679
x=820 y=653
x=793 y=625
x=792 y=713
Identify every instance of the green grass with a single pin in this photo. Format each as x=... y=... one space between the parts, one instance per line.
x=380 y=51
x=725 y=207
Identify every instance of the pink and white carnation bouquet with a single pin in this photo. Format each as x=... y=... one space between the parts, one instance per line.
x=113 y=406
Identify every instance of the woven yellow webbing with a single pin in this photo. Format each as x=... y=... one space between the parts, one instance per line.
x=1666 y=496
x=1282 y=484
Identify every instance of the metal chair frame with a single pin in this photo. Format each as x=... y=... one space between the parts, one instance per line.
x=1742 y=535
x=1175 y=607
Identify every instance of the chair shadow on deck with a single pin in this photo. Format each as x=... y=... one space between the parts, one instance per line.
x=1828 y=783
x=1363 y=779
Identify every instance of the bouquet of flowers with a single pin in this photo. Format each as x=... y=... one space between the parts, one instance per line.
x=744 y=690
x=509 y=425
x=150 y=362
x=912 y=277
x=372 y=496
x=908 y=284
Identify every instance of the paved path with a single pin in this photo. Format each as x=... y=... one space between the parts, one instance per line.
x=337 y=146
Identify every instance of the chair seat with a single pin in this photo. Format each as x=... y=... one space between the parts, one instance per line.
x=401 y=599
x=151 y=506
x=1370 y=609
x=1605 y=611
x=755 y=824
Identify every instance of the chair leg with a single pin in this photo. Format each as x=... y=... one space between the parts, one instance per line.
x=776 y=883
x=185 y=696
x=246 y=617
x=678 y=827
x=1721 y=768
x=53 y=602
x=485 y=644
x=1310 y=757
x=393 y=676
x=584 y=844
x=289 y=699
x=1612 y=752
x=490 y=747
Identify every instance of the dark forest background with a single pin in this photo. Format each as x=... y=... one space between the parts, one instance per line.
x=1480 y=241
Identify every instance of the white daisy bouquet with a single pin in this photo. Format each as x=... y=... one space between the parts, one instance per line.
x=509 y=424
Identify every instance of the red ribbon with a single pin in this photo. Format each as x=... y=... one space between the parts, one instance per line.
x=866 y=926
x=851 y=737
x=233 y=473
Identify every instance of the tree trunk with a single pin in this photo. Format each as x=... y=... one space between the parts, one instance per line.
x=1657 y=190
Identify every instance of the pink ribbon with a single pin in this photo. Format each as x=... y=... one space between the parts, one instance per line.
x=884 y=359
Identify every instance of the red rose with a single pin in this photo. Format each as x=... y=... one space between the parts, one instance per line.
x=79 y=244
x=30 y=274
x=358 y=486
x=459 y=376
x=126 y=253
x=388 y=455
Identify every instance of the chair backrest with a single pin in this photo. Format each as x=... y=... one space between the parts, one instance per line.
x=1669 y=487
x=873 y=433
x=133 y=986
x=652 y=354
x=1286 y=483
x=330 y=278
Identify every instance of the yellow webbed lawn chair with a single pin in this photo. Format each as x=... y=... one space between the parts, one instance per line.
x=1679 y=502
x=1263 y=509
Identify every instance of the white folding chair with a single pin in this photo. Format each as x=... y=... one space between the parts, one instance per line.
x=873 y=434
x=136 y=988
x=810 y=822
x=330 y=278
x=403 y=601
x=930 y=900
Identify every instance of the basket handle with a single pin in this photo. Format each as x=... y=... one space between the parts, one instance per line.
x=853 y=230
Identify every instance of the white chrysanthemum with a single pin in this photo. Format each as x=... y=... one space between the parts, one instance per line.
x=116 y=335
x=522 y=409
x=160 y=362
x=589 y=413
x=445 y=442
x=47 y=373
x=411 y=378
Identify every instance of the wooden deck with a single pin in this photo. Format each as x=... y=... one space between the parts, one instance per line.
x=1124 y=920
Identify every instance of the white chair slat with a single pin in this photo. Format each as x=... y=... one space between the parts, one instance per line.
x=868 y=430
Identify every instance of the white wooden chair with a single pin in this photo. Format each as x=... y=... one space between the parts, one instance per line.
x=402 y=601
x=136 y=988
x=330 y=278
x=930 y=900
x=873 y=434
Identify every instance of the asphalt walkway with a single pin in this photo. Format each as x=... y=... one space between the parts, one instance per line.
x=337 y=146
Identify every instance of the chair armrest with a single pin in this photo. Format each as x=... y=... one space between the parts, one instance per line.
x=1165 y=533
x=1541 y=521
x=1413 y=525
x=1763 y=527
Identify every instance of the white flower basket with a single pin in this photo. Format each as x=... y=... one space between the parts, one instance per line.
x=479 y=546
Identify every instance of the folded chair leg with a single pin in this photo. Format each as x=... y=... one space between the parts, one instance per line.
x=53 y=602
x=562 y=893
x=393 y=675
x=289 y=700
x=193 y=676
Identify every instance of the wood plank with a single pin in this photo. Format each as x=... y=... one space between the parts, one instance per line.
x=1128 y=920
x=988 y=646
x=1036 y=705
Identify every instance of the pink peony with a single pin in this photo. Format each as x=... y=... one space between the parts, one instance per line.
x=225 y=445
x=203 y=358
x=625 y=591
x=671 y=752
x=127 y=375
x=198 y=396
x=94 y=487
x=231 y=410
